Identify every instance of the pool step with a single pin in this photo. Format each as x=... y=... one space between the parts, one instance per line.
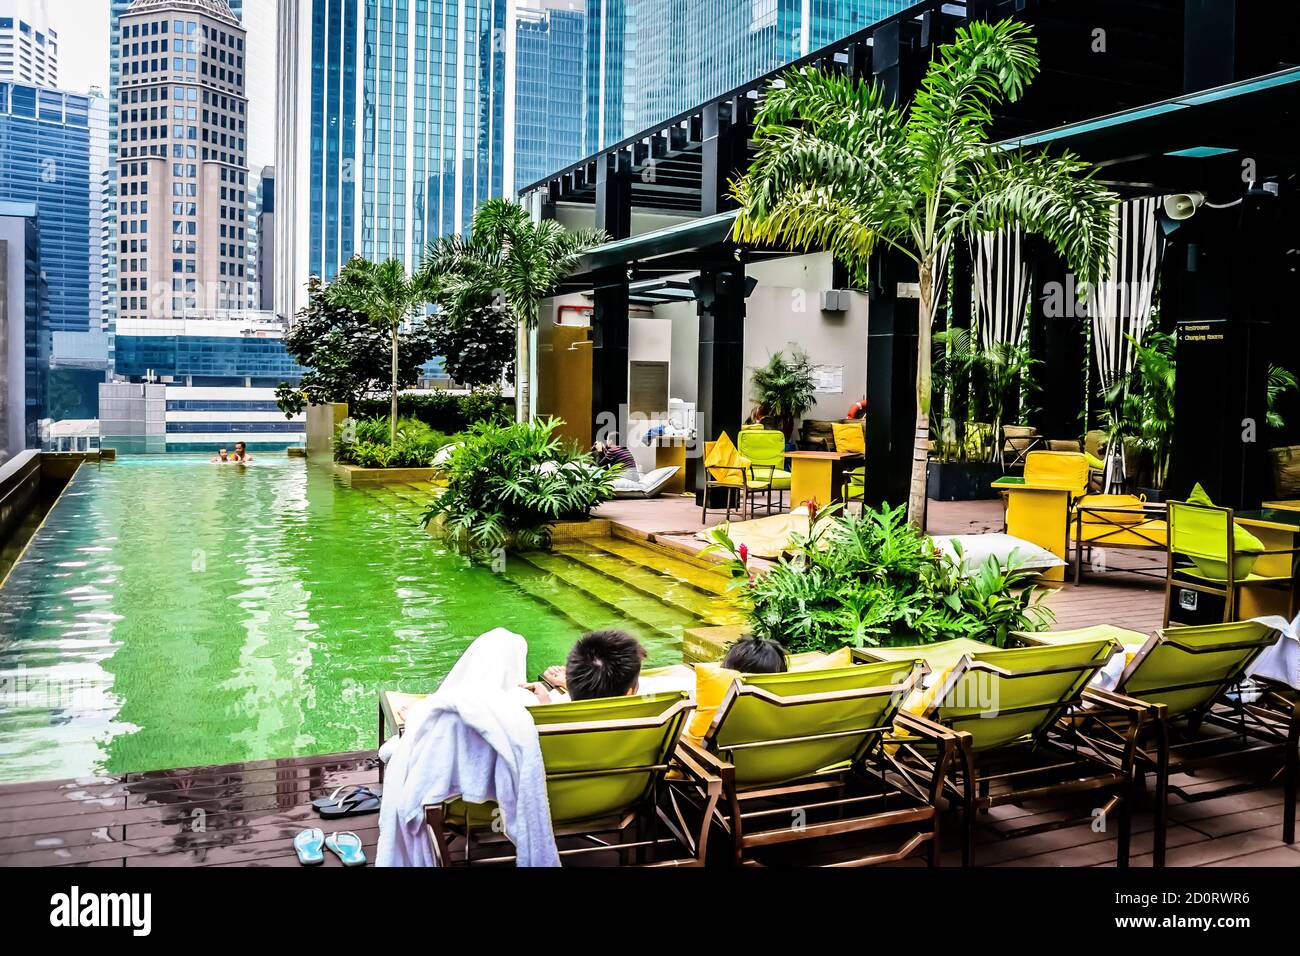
x=645 y=577
x=586 y=612
x=696 y=573
x=648 y=611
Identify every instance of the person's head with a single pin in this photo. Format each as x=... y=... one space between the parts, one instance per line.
x=224 y=454
x=604 y=664
x=756 y=655
x=241 y=449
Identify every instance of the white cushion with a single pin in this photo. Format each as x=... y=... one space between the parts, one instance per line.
x=647 y=486
x=1010 y=552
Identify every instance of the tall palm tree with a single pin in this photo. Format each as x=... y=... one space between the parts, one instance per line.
x=387 y=296
x=840 y=168
x=513 y=262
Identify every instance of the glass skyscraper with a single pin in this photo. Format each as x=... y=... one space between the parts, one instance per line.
x=46 y=137
x=393 y=129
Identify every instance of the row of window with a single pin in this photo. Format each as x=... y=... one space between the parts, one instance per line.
x=179 y=28
x=161 y=93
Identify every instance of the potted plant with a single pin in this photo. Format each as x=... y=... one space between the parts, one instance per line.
x=1140 y=413
x=783 y=389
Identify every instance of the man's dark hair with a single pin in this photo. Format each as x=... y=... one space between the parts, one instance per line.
x=756 y=655
x=603 y=664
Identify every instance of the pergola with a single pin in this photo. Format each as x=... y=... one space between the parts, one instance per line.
x=1167 y=96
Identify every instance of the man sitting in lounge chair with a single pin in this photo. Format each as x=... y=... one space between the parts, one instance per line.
x=601 y=664
x=756 y=655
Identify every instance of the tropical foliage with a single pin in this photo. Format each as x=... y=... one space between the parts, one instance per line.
x=783 y=389
x=347 y=358
x=495 y=279
x=840 y=167
x=366 y=442
x=445 y=411
x=388 y=298
x=873 y=579
x=990 y=376
x=507 y=484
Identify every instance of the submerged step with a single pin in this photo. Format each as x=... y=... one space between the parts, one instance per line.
x=626 y=601
x=705 y=605
x=698 y=575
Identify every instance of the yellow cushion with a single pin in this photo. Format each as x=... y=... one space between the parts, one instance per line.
x=1242 y=539
x=820 y=661
x=711 y=684
x=849 y=437
x=1057 y=469
x=722 y=459
x=1112 y=501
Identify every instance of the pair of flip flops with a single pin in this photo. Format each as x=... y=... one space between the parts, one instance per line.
x=349 y=801
x=310 y=844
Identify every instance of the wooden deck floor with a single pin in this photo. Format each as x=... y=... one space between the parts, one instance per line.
x=247 y=814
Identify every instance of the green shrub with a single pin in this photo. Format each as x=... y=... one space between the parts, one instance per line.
x=507 y=484
x=364 y=442
x=443 y=411
x=875 y=580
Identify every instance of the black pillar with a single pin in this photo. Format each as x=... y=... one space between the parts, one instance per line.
x=609 y=317
x=720 y=300
x=1057 y=341
x=609 y=369
x=891 y=380
x=725 y=129
x=1228 y=289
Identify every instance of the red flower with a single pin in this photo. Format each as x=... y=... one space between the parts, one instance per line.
x=744 y=553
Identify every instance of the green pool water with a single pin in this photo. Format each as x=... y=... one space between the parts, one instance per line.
x=173 y=613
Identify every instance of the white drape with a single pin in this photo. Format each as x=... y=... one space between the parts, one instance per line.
x=1120 y=305
x=1001 y=280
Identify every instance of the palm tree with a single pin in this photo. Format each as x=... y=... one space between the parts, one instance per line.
x=840 y=168
x=513 y=262
x=387 y=296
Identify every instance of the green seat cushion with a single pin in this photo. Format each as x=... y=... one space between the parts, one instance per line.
x=1200 y=532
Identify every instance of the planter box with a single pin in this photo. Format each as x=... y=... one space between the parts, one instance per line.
x=354 y=476
x=961 y=480
x=704 y=645
x=1151 y=494
x=576 y=530
x=321 y=420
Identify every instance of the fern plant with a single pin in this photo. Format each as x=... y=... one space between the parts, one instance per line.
x=507 y=484
x=783 y=388
x=873 y=579
x=366 y=442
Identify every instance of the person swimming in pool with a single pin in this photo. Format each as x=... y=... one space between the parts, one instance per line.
x=222 y=455
x=241 y=452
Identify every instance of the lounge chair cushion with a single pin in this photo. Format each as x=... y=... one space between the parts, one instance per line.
x=1057 y=469
x=723 y=459
x=1201 y=536
x=850 y=438
x=644 y=486
x=1009 y=551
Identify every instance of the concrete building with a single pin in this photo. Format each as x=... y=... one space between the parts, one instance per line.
x=266 y=241
x=29 y=49
x=24 y=332
x=181 y=160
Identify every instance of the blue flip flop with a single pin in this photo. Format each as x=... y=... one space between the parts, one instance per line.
x=347 y=846
x=307 y=844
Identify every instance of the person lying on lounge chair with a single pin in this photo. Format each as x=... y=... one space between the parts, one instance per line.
x=601 y=664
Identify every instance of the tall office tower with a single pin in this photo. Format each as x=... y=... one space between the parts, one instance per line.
x=46 y=138
x=683 y=52
x=29 y=49
x=393 y=128
x=550 y=87
x=266 y=242
x=182 y=173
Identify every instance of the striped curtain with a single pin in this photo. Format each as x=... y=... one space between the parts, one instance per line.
x=1001 y=280
x=1120 y=305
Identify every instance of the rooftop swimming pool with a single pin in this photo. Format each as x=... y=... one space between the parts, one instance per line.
x=171 y=612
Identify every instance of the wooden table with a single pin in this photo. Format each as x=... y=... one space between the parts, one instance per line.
x=817 y=476
x=1278 y=529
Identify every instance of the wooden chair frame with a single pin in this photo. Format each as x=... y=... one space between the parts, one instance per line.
x=744 y=811
x=1114 y=528
x=1059 y=760
x=1269 y=726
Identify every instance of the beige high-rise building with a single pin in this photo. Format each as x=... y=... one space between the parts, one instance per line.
x=182 y=160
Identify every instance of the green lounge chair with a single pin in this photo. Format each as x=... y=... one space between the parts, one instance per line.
x=1183 y=676
x=1201 y=536
x=1013 y=709
x=765 y=449
x=607 y=762
x=811 y=754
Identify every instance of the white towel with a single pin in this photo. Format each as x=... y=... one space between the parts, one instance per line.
x=1281 y=662
x=473 y=738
